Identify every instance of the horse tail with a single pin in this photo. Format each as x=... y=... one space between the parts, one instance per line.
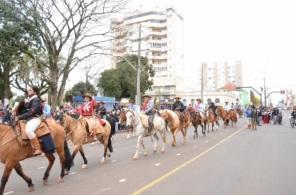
x=110 y=143
x=68 y=157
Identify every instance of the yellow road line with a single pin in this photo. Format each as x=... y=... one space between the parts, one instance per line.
x=163 y=177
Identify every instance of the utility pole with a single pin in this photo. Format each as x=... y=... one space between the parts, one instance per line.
x=264 y=93
x=202 y=82
x=138 y=96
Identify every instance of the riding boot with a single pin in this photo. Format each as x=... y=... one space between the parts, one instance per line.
x=150 y=123
x=36 y=146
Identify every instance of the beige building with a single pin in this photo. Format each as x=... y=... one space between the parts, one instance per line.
x=216 y=75
x=161 y=43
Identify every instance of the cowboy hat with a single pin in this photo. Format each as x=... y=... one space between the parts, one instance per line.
x=146 y=95
x=198 y=99
x=88 y=95
x=177 y=97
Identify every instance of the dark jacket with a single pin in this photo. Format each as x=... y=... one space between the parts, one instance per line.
x=31 y=109
x=293 y=114
x=178 y=105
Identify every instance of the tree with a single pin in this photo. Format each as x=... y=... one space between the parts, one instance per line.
x=121 y=82
x=81 y=88
x=15 y=35
x=69 y=29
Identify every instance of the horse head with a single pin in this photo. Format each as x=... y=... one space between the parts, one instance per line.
x=130 y=117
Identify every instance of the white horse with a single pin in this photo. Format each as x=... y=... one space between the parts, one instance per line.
x=139 y=124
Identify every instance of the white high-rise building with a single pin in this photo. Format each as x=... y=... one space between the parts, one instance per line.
x=161 y=43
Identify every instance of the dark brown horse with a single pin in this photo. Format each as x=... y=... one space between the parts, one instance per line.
x=12 y=152
x=185 y=120
x=197 y=120
x=212 y=119
x=77 y=132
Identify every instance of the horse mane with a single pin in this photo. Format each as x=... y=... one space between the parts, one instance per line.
x=20 y=107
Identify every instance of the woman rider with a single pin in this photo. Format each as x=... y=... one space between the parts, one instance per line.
x=32 y=114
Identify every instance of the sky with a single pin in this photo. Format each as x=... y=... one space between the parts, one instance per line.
x=259 y=33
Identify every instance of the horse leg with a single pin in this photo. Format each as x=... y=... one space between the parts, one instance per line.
x=75 y=150
x=155 y=142
x=183 y=130
x=136 y=155
x=105 y=143
x=51 y=160
x=174 y=138
x=18 y=169
x=81 y=151
x=7 y=171
x=143 y=146
x=163 y=135
x=217 y=123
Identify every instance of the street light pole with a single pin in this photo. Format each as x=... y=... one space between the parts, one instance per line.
x=138 y=96
x=264 y=93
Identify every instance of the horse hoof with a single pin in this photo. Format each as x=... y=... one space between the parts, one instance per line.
x=103 y=161
x=31 y=189
x=83 y=166
x=45 y=182
x=61 y=180
x=66 y=172
x=135 y=157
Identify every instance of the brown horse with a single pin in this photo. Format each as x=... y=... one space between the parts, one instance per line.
x=122 y=122
x=212 y=118
x=233 y=117
x=196 y=120
x=223 y=114
x=78 y=133
x=185 y=120
x=173 y=122
x=12 y=152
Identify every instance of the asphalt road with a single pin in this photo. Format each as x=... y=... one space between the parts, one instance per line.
x=225 y=162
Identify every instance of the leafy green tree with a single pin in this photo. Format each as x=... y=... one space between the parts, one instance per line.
x=15 y=35
x=121 y=82
x=80 y=89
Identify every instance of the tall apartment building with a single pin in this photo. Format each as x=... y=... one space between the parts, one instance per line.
x=216 y=75
x=161 y=43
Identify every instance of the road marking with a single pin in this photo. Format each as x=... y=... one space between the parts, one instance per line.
x=122 y=180
x=105 y=189
x=157 y=164
x=10 y=192
x=172 y=172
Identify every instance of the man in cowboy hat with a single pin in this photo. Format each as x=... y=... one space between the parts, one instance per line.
x=148 y=109
x=199 y=107
x=178 y=105
x=101 y=110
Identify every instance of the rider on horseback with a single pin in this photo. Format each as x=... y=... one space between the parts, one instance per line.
x=199 y=107
x=213 y=108
x=87 y=111
x=178 y=105
x=148 y=109
x=32 y=114
x=293 y=113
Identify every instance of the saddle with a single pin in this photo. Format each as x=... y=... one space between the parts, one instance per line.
x=42 y=130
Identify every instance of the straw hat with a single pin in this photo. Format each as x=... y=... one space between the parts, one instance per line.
x=88 y=95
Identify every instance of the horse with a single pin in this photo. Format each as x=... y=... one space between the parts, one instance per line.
x=122 y=123
x=184 y=118
x=211 y=118
x=12 y=151
x=223 y=114
x=173 y=122
x=233 y=117
x=196 y=120
x=239 y=112
x=77 y=132
x=139 y=124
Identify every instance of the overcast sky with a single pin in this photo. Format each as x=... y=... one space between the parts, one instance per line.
x=260 y=33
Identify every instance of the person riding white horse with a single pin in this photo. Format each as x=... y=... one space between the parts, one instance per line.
x=148 y=109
